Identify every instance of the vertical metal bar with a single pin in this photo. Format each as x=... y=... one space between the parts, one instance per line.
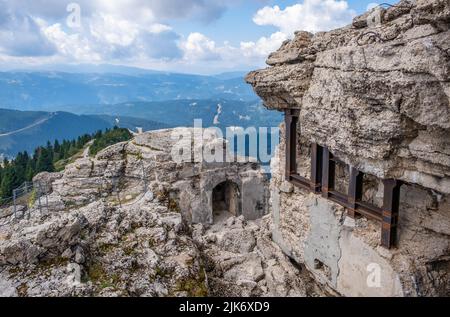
x=144 y=177
x=291 y=143
x=328 y=173
x=390 y=212
x=39 y=196
x=325 y=172
x=287 y=124
x=14 y=202
x=316 y=167
x=355 y=190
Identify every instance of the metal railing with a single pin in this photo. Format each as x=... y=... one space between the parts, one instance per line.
x=24 y=198
x=115 y=184
x=35 y=194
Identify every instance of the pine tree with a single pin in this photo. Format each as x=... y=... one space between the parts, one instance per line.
x=8 y=181
x=24 y=167
x=29 y=171
x=57 y=151
x=45 y=161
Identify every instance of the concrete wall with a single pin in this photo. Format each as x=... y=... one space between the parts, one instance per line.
x=345 y=255
x=195 y=193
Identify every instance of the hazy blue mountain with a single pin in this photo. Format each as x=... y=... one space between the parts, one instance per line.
x=183 y=112
x=64 y=105
x=21 y=130
x=11 y=120
x=54 y=91
x=34 y=129
x=87 y=69
x=109 y=69
x=231 y=75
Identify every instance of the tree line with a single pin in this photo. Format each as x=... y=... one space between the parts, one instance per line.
x=53 y=157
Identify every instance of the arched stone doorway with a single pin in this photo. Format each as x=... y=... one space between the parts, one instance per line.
x=226 y=201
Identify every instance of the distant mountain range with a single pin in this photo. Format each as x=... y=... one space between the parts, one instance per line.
x=58 y=105
x=53 y=91
x=183 y=112
x=107 y=69
x=24 y=131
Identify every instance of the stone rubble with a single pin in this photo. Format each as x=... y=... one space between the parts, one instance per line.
x=242 y=260
x=107 y=232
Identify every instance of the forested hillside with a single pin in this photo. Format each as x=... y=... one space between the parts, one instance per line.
x=26 y=130
x=53 y=156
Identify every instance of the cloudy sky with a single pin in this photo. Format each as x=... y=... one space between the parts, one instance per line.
x=195 y=36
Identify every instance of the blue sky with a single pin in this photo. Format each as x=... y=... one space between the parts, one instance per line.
x=194 y=36
x=236 y=24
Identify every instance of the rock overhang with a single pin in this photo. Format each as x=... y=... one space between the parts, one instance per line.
x=377 y=96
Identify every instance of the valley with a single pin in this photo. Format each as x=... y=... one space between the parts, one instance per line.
x=41 y=106
x=53 y=91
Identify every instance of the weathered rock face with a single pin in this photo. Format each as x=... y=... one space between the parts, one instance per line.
x=378 y=96
x=242 y=260
x=126 y=170
x=344 y=254
x=120 y=224
x=98 y=250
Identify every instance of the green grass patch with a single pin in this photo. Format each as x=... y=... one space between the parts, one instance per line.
x=110 y=137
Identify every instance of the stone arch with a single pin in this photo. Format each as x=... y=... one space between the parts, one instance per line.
x=226 y=201
x=203 y=212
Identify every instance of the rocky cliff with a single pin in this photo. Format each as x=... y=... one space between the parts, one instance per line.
x=132 y=221
x=376 y=93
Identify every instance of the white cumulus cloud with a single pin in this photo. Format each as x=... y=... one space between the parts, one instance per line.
x=140 y=33
x=264 y=46
x=159 y=28
x=311 y=15
x=199 y=47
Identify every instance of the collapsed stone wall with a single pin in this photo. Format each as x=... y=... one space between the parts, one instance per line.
x=121 y=224
x=188 y=185
x=378 y=96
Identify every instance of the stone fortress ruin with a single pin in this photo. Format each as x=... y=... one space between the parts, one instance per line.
x=358 y=203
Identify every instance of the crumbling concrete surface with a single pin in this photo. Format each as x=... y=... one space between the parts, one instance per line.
x=378 y=96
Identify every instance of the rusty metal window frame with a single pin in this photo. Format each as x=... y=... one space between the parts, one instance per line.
x=323 y=175
x=313 y=184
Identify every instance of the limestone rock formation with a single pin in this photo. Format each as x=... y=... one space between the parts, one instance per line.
x=242 y=260
x=125 y=170
x=376 y=93
x=99 y=250
x=120 y=224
